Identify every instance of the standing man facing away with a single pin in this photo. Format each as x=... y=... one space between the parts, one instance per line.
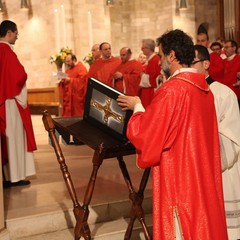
x=149 y=77
x=73 y=87
x=216 y=69
x=17 y=136
x=177 y=135
x=126 y=77
x=228 y=117
x=105 y=66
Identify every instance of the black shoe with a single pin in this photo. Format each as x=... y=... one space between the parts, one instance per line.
x=8 y=184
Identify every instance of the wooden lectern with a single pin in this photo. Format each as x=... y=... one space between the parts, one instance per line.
x=105 y=146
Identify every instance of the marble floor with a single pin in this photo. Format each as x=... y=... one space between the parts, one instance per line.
x=48 y=192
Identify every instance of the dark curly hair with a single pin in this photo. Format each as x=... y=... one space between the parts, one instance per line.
x=179 y=42
x=5 y=26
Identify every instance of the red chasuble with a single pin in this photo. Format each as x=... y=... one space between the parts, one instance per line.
x=153 y=70
x=177 y=135
x=12 y=79
x=216 y=68
x=129 y=84
x=73 y=92
x=102 y=69
x=231 y=68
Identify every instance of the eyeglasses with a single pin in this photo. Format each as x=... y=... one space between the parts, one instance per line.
x=228 y=47
x=198 y=61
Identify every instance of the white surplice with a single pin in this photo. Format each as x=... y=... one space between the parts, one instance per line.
x=228 y=116
x=21 y=162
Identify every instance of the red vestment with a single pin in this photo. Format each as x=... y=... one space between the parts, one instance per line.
x=177 y=135
x=129 y=84
x=73 y=92
x=102 y=69
x=231 y=68
x=216 y=68
x=153 y=70
x=12 y=79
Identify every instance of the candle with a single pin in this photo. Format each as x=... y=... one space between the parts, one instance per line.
x=90 y=33
x=64 y=34
x=57 y=30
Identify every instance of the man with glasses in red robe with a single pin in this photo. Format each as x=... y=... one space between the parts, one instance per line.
x=177 y=135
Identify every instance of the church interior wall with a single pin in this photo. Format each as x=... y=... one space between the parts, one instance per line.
x=52 y=24
x=207 y=13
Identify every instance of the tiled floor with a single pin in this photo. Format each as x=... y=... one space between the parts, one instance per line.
x=48 y=192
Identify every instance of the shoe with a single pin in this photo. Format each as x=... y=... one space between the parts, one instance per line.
x=8 y=184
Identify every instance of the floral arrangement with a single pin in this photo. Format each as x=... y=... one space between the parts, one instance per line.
x=60 y=57
x=88 y=59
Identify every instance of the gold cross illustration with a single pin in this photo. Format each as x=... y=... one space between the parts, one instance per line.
x=106 y=109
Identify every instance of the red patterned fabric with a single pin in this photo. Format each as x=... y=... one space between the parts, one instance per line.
x=177 y=135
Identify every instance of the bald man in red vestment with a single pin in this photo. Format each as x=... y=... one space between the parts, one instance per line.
x=216 y=69
x=177 y=135
x=126 y=77
x=73 y=87
x=102 y=68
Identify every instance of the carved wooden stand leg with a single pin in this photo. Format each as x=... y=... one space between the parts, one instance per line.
x=136 y=198
x=81 y=213
x=83 y=216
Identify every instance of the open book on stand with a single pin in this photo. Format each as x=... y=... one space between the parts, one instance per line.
x=101 y=109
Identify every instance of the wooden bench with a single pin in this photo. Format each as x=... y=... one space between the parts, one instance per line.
x=40 y=99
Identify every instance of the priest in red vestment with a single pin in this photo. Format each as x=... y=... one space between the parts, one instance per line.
x=126 y=77
x=177 y=135
x=232 y=67
x=216 y=69
x=150 y=75
x=73 y=87
x=102 y=68
x=17 y=137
